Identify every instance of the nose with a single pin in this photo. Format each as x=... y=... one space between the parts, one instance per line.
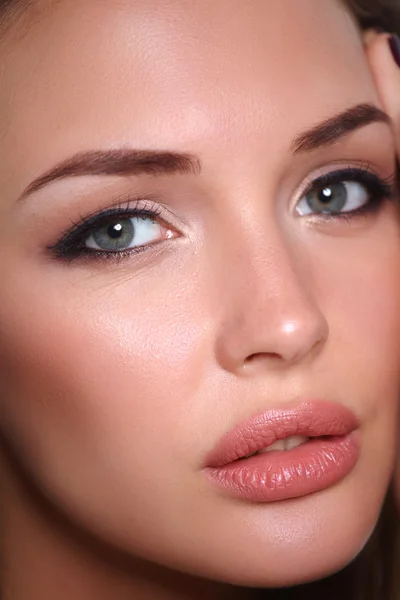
x=271 y=318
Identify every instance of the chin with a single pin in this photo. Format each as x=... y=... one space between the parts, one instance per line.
x=291 y=542
x=287 y=571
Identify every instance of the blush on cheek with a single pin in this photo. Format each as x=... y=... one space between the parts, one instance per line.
x=99 y=374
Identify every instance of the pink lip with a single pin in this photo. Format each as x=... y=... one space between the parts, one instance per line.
x=280 y=475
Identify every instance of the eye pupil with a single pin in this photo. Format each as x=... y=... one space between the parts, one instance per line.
x=115 y=236
x=115 y=231
x=330 y=199
x=326 y=195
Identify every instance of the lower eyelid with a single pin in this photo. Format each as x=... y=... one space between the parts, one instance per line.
x=80 y=252
x=363 y=175
x=60 y=251
x=101 y=256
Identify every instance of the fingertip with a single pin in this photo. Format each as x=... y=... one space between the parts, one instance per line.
x=384 y=48
x=383 y=52
x=370 y=35
x=394 y=45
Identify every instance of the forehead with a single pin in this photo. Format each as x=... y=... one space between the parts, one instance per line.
x=176 y=74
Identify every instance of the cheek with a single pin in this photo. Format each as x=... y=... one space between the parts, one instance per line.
x=365 y=317
x=360 y=290
x=357 y=284
x=99 y=380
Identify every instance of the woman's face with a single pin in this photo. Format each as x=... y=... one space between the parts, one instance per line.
x=254 y=290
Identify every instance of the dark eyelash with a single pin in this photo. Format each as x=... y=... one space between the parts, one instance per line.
x=72 y=243
x=379 y=189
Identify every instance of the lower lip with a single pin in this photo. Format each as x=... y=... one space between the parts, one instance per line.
x=281 y=475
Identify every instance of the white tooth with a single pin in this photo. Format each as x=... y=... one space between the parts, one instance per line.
x=295 y=440
x=287 y=444
x=279 y=445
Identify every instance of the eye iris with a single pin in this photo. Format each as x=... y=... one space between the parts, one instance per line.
x=329 y=199
x=116 y=235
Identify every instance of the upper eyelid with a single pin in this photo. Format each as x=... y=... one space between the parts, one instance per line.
x=132 y=207
x=87 y=224
x=340 y=168
x=127 y=204
x=340 y=173
x=97 y=219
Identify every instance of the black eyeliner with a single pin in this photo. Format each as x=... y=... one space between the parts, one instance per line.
x=72 y=245
x=378 y=189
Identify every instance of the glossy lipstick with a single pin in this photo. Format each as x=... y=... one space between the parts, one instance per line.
x=242 y=464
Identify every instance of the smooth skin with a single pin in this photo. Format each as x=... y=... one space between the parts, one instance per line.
x=119 y=376
x=386 y=72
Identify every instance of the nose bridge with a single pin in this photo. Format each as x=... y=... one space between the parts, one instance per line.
x=271 y=311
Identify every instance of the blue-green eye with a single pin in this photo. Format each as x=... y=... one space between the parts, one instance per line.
x=344 y=192
x=115 y=232
x=120 y=234
x=334 y=199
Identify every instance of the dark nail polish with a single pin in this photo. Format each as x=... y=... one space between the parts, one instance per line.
x=394 y=43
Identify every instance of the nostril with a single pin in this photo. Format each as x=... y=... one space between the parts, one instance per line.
x=259 y=356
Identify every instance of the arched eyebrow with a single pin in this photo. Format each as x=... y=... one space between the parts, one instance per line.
x=126 y=162
x=333 y=129
x=121 y=162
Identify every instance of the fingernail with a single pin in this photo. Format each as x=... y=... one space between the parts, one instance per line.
x=394 y=43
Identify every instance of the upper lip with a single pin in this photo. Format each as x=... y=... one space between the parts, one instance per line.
x=310 y=419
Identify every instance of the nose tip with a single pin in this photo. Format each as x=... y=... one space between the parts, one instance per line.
x=270 y=306
x=301 y=335
x=294 y=340
x=273 y=338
